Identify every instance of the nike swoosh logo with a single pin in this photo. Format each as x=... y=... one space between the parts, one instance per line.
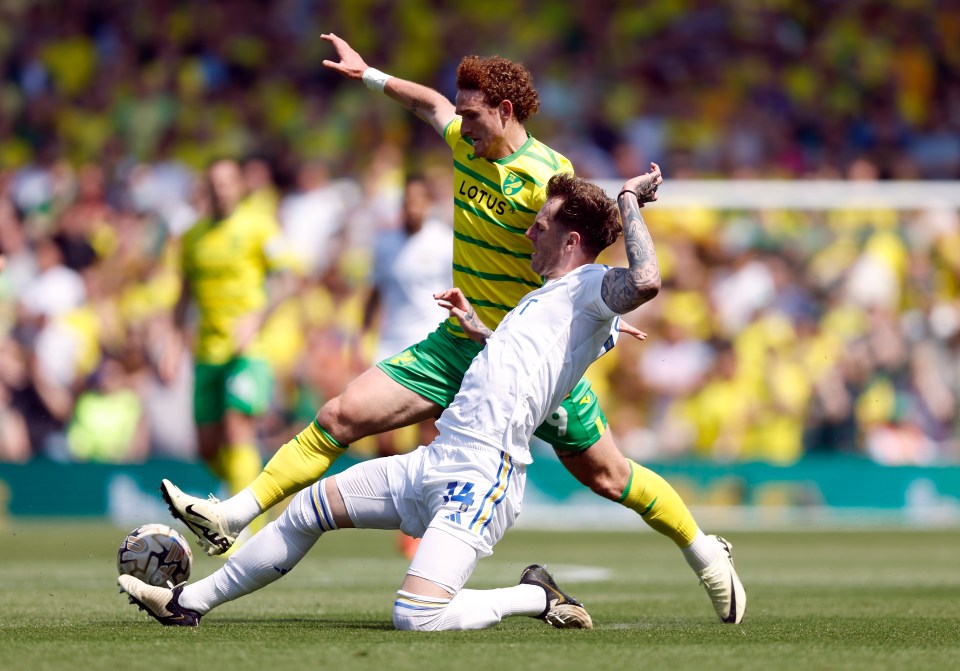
x=207 y=533
x=190 y=510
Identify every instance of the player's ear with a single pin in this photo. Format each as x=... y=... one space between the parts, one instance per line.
x=573 y=239
x=505 y=109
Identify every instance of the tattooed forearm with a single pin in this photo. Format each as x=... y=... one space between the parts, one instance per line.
x=625 y=289
x=420 y=100
x=476 y=329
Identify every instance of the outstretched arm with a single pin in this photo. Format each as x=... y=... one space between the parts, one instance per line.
x=426 y=103
x=625 y=289
x=458 y=305
x=632 y=331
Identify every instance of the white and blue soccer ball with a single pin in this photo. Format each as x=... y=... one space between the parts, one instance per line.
x=156 y=554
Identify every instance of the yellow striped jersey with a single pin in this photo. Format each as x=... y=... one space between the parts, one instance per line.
x=227 y=263
x=495 y=202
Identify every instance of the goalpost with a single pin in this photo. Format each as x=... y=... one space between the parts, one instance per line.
x=816 y=491
x=801 y=194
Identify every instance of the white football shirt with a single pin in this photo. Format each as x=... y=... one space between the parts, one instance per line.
x=408 y=270
x=532 y=361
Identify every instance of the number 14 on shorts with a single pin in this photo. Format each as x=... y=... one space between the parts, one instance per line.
x=464 y=497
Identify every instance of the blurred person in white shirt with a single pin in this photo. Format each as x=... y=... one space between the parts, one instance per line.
x=313 y=218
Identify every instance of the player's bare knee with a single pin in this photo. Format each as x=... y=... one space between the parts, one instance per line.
x=349 y=416
x=606 y=485
x=334 y=417
x=603 y=482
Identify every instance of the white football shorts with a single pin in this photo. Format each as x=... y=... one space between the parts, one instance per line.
x=472 y=493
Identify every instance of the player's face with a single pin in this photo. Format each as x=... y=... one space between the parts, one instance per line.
x=416 y=202
x=226 y=182
x=483 y=124
x=548 y=239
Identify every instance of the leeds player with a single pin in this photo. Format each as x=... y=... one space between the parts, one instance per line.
x=500 y=173
x=463 y=491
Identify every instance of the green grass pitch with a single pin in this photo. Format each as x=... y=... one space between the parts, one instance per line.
x=859 y=600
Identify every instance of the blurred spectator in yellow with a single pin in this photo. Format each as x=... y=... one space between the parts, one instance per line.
x=108 y=422
x=226 y=257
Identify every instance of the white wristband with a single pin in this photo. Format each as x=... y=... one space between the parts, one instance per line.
x=374 y=79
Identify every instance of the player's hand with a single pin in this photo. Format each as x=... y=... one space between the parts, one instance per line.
x=350 y=64
x=458 y=305
x=169 y=347
x=645 y=185
x=631 y=330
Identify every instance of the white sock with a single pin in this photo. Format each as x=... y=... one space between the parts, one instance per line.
x=240 y=509
x=469 y=609
x=267 y=556
x=702 y=552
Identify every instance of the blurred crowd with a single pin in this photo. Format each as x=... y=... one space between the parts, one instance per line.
x=779 y=333
x=774 y=87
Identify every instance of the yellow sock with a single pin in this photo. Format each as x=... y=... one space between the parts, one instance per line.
x=299 y=463
x=659 y=505
x=241 y=464
x=216 y=466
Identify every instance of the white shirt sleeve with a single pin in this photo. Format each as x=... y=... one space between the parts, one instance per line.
x=587 y=292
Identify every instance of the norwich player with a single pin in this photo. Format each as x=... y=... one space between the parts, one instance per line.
x=463 y=491
x=500 y=175
x=226 y=257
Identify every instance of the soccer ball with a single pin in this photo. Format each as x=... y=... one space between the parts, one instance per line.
x=155 y=554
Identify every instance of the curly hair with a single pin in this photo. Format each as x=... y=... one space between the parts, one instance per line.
x=586 y=209
x=500 y=79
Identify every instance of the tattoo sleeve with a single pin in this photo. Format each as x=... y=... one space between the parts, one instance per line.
x=625 y=289
x=477 y=329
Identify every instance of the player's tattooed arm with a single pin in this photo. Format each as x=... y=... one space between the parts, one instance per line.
x=458 y=305
x=473 y=327
x=625 y=289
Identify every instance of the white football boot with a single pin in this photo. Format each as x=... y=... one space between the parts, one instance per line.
x=161 y=603
x=202 y=517
x=723 y=585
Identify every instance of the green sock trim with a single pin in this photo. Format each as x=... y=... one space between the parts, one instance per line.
x=626 y=490
x=652 y=503
x=333 y=441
